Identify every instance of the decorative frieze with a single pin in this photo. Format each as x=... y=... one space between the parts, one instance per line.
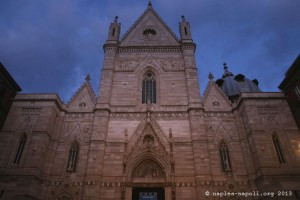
x=159 y=50
x=218 y=114
x=221 y=183
x=127 y=116
x=155 y=115
x=186 y=184
x=171 y=65
x=126 y=65
x=79 y=115
x=171 y=116
x=31 y=111
x=74 y=183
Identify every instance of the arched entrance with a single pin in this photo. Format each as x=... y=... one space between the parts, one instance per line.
x=148 y=164
x=148 y=181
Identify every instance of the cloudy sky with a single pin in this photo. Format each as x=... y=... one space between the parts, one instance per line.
x=49 y=46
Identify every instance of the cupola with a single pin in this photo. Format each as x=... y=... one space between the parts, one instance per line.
x=233 y=85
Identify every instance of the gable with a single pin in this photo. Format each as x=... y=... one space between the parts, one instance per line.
x=83 y=101
x=215 y=99
x=149 y=30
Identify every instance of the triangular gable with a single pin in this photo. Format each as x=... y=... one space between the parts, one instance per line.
x=163 y=36
x=75 y=133
x=221 y=133
x=215 y=99
x=84 y=100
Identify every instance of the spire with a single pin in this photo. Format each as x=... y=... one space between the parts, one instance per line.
x=185 y=30
x=149 y=4
x=114 y=31
x=226 y=71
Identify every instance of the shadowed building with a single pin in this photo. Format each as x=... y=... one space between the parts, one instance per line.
x=149 y=134
x=8 y=90
x=291 y=88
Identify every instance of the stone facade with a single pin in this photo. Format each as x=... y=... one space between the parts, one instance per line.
x=181 y=147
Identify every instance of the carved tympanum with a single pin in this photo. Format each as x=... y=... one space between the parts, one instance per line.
x=148 y=169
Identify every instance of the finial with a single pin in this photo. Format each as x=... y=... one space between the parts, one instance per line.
x=116 y=18
x=210 y=76
x=226 y=71
x=87 y=77
x=149 y=4
x=182 y=17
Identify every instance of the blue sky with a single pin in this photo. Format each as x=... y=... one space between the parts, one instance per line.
x=49 y=46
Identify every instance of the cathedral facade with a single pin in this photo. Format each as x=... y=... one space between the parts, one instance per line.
x=149 y=134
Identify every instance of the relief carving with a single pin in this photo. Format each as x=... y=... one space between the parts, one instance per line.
x=148 y=169
x=269 y=116
x=126 y=65
x=28 y=119
x=171 y=65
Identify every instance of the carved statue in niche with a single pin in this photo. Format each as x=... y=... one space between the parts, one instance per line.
x=148 y=169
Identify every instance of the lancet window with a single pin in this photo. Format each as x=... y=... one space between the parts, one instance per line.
x=20 y=149
x=73 y=156
x=279 y=152
x=225 y=158
x=149 y=88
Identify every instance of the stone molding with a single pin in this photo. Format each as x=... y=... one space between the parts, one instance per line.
x=153 y=50
x=218 y=114
x=156 y=116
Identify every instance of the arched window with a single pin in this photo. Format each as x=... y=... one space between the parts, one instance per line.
x=113 y=32
x=225 y=158
x=149 y=88
x=73 y=155
x=20 y=149
x=278 y=149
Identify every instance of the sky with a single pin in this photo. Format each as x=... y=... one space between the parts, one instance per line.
x=49 y=46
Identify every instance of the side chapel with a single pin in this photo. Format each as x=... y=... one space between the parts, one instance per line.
x=149 y=134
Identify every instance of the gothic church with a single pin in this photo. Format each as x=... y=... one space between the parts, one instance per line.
x=149 y=134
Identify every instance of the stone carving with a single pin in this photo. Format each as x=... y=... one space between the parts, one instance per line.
x=28 y=119
x=126 y=65
x=171 y=65
x=148 y=169
x=269 y=116
x=171 y=116
x=148 y=141
x=77 y=128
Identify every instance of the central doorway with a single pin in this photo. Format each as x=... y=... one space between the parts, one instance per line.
x=146 y=193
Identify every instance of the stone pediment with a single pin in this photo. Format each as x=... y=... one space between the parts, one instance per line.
x=215 y=99
x=84 y=100
x=149 y=30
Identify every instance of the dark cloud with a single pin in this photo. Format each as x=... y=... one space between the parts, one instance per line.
x=49 y=46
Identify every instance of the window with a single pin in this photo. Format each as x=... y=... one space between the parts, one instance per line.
x=225 y=158
x=149 y=88
x=73 y=155
x=278 y=149
x=20 y=149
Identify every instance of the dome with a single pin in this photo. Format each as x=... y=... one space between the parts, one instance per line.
x=233 y=86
